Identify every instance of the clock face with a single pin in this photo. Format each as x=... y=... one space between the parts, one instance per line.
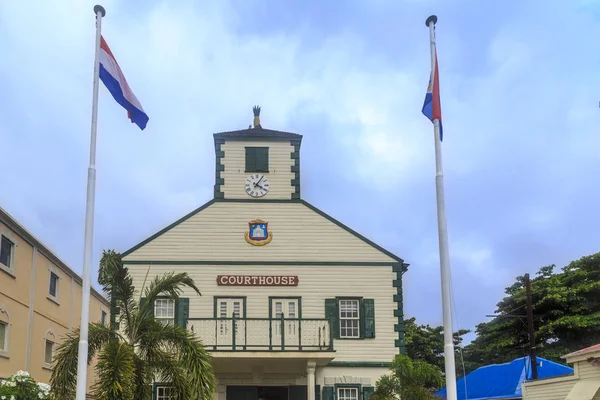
x=257 y=185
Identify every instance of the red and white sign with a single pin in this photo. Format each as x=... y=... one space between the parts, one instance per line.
x=253 y=280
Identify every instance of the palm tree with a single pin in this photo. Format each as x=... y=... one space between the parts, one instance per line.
x=410 y=379
x=142 y=350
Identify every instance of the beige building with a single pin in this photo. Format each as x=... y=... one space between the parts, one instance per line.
x=295 y=304
x=40 y=302
x=583 y=384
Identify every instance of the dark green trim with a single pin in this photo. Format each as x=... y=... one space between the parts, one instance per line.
x=174 y=224
x=347 y=385
x=351 y=231
x=155 y=386
x=219 y=182
x=258 y=201
x=295 y=155
x=217 y=298
x=320 y=263
x=399 y=269
x=374 y=364
x=258 y=133
x=304 y=202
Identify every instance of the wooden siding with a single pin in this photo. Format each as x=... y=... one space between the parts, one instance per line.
x=217 y=234
x=280 y=175
x=558 y=388
x=316 y=283
x=587 y=370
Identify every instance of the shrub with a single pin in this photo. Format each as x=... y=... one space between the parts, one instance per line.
x=21 y=386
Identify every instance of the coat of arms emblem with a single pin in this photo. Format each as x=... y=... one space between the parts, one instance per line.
x=258 y=233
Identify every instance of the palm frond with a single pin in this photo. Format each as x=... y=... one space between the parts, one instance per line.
x=167 y=367
x=63 y=379
x=190 y=351
x=169 y=285
x=118 y=284
x=116 y=372
x=142 y=380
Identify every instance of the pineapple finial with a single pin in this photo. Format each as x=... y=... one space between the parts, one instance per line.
x=256 y=111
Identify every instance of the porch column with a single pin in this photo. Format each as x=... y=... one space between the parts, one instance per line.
x=310 y=371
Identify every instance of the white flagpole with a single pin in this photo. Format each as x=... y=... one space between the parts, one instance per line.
x=443 y=241
x=89 y=224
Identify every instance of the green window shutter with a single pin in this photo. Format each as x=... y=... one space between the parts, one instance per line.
x=182 y=311
x=143 y=301
x=250 y=159
x=367 y=392
x=328 y=393
x=262 y=159
x=332 y=314
x=367 y=318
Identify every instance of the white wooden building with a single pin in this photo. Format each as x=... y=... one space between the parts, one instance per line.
x=295 y=304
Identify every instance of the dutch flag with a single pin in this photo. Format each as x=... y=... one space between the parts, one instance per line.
x=432 y=108
x=115 y=82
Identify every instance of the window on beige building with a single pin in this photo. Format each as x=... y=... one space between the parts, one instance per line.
x=53 y=287
x=103 y=318
x=3 y=334
x=6 y=252
x=49 y=352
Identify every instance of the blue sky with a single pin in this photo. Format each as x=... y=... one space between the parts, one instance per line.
x=520 y=104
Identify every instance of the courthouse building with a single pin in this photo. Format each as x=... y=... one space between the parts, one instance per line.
x=295 y=304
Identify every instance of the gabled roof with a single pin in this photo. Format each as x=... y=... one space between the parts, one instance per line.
x=587 y=350
x=302 y=202
x=257 y=133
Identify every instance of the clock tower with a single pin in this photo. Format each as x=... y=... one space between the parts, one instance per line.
x=257 y=163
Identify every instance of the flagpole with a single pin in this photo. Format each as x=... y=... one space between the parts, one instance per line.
x=82 y=355
x=443 y=240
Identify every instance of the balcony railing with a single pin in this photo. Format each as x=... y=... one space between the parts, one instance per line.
x=263 y=334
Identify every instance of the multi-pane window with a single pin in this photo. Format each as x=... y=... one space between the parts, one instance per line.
x=347 y=393
x=3 y=332
x=164 y=311
x=164 y=393
x=53 y=289
x=49 y=352
x=6 y=252
x=349 y=319
x=278 y=310
x=292 y=314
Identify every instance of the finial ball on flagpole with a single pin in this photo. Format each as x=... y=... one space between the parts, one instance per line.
x=99 y=8
x=432 y=18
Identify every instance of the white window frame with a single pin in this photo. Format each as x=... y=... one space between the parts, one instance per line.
x=10 y=269
x=49 y=337
x=56 y=297
x=351 y=389
x=357 y=319
x=163 y=396
x=4 y=351
x=164 y=319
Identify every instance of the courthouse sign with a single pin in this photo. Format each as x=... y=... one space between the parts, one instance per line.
x=253 y=280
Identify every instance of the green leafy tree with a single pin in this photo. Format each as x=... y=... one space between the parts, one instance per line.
x=409 y=379
x=142 y=350
x=566 y=308
x=426 y=343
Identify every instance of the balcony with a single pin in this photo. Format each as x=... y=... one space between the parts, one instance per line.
x=263 y=334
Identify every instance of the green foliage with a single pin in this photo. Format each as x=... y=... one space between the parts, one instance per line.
x=409 y=379
x=143 y=349
x=21 y=386
x=426 y=343
x=566 y=315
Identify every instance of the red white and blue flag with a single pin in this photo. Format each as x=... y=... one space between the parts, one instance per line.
x=432 y=108
x=115 y=82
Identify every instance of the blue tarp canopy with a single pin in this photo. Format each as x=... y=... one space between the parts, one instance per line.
x=503 y=381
